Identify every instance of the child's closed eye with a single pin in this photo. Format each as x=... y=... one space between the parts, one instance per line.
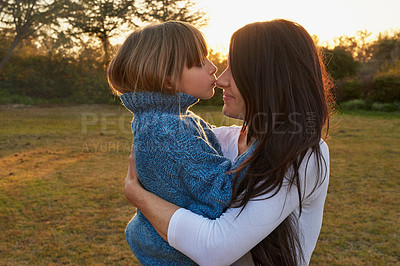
x=202 y=63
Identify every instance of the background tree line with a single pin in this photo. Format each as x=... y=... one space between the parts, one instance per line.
x=57 y=51
x=366 y=71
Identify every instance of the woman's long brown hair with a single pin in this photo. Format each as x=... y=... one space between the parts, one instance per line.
x=280 y=74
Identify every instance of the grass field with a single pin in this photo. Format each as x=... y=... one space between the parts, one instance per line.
x=61 y=187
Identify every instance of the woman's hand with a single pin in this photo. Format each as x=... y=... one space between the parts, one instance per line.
x=133 y=188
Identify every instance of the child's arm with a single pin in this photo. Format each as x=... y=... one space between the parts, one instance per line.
x=201 y=170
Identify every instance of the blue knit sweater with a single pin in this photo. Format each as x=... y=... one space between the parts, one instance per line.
x=179 y=159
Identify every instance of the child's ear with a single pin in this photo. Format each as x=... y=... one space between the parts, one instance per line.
x=168 y=83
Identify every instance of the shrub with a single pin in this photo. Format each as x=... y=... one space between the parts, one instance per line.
x=362 y=104
x=346 y=90
x=55 y=79
x=7 y=98
x=357 y=104
x=386 y=88
x=384 y=107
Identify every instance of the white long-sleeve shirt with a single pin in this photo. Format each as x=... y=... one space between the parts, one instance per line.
x=228 y=239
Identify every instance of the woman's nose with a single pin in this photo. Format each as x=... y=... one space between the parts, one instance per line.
x=223 y=80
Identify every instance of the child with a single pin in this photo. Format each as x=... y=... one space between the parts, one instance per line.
x=159 y=72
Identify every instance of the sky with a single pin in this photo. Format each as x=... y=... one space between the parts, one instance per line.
x=327 y=19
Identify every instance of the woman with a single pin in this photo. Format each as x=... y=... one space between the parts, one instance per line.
x=276 y=83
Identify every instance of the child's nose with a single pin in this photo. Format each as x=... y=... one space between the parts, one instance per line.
x=213 y=69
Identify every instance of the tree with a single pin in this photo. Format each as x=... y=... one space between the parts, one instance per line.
x=22 y=18
x=165 y=10
x=364 y=49
x=3 y=5
x=347 y=43
x=360 y=46
x=340 y=63
x=102 y=19
x=386 y=49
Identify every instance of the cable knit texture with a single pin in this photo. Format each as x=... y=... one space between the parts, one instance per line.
x=178 y=158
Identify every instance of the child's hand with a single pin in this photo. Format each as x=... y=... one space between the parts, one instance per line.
x=133 y=188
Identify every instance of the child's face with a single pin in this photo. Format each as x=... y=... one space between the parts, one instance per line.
x=199 y=81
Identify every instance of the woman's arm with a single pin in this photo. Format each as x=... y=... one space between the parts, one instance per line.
x=226 y=239
x=203 y=240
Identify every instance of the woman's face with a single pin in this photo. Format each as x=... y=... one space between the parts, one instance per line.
x=234 y=105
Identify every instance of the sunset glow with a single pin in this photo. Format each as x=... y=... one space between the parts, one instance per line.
x=327 y=19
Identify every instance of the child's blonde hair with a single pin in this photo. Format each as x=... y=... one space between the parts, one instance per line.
x=153 y=58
